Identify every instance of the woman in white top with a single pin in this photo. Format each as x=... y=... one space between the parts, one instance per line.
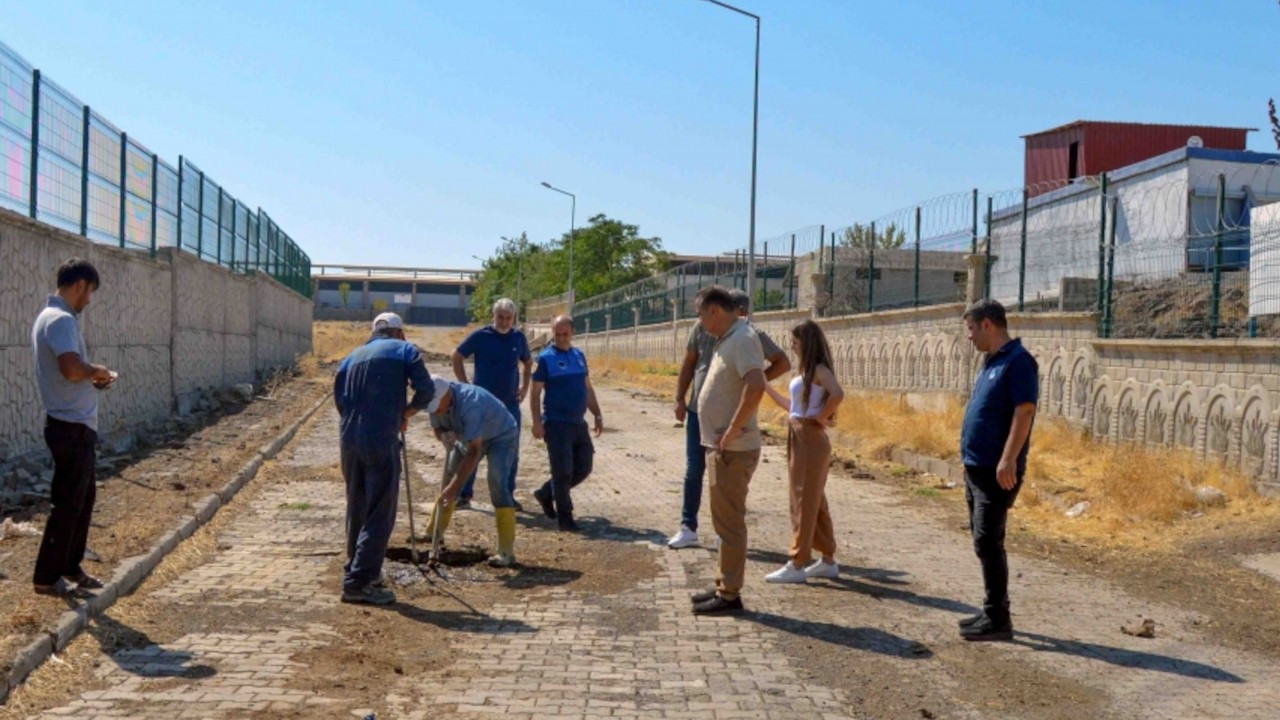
x=815 y=395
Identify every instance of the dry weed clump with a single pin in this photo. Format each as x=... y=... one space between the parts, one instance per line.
x=333 y=340
x=1135 y=493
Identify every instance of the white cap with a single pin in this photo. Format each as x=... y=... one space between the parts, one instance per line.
x=442 y=387
x=388 y=320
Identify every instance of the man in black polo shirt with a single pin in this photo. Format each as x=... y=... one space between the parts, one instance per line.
x=994 y=444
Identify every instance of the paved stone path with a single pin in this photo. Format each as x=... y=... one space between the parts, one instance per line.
x=889 y=619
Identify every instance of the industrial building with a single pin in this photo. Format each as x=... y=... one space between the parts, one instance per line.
x=422 y=296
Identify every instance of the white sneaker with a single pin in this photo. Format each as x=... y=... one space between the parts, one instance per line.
x=788 y=573
x=683 y=539
x=820 y=569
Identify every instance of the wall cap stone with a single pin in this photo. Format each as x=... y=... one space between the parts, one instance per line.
x=1242 y=346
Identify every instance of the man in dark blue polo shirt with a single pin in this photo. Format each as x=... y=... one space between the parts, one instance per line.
x=994 y=445
x=502 y=366
x=369 y=391
x=562 y=370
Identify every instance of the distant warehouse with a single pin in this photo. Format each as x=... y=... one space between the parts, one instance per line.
x=422 y=296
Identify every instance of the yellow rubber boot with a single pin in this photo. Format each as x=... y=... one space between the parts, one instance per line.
x=505 y=518
x=445 y=516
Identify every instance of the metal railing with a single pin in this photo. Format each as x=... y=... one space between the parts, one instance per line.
x=63 y=164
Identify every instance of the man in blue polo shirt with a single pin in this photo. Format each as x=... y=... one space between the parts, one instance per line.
x=562 y=370
x=499 y=350
x=994 y=445
x=369 y=392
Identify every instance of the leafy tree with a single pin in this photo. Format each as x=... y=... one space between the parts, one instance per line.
x=859 y=236
x=344 y=291
x=607 y=254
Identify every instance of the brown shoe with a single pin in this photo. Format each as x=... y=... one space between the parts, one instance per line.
x=62 y=589
x=86 y=581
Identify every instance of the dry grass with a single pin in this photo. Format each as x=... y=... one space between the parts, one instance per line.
x=1137 y=495
x=333 y=340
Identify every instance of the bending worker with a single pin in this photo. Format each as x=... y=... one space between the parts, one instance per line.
x=470 y=420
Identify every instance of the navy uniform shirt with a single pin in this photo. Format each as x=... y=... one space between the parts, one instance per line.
x=370 y=389
x=497 y=357
x=564 y=372
x=1009 y=378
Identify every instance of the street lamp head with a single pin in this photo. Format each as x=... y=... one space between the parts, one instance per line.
x=546 y=184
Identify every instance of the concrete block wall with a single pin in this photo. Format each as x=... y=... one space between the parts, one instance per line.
x=1220 y=399
x=168 y=325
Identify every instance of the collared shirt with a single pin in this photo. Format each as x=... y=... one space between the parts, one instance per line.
x=475 y=414
x=703 y=343
x=564 y=372
x=370 y=389
x=497 y=357
x=57 y=332
x=734 y=357
x=1009 y=378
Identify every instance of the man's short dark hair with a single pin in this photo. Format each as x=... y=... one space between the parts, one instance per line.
x=715 y=295
x=75 y=270
x=741 y=300
x=987 y=309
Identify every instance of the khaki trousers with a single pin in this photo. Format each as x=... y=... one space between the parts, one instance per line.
x=729 y=475
x=809 y=457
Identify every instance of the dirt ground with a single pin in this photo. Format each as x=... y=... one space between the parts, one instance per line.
x=141 y=495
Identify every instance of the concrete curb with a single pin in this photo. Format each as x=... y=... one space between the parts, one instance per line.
x=132 y=571
x=932 y=465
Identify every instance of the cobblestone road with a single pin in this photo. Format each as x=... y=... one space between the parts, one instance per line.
x=889 y=620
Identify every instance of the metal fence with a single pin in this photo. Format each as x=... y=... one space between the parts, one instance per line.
x=1180 y=248
x=64 y=164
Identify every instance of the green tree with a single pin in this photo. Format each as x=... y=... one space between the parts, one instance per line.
x=344 y=291
x=607 y=254
x=859 y=236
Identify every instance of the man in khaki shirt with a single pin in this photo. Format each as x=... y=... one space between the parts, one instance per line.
x=727 y=416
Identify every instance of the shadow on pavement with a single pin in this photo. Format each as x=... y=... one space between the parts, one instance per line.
x=468 y=622
x=854 y=638
x=134 y=652
x=880 y=592
x=1125 y=658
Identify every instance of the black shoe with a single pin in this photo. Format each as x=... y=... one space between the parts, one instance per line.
x=516 y=504
x=717 y=605
x=568 y=525
x=543 y=496
x=703 y=596
x=988 y=629
x=462 y=504
x=969 y=621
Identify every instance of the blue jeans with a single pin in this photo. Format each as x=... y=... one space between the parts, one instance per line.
x=373 y=488
x=571 y=455
x=500 y=455
x=695 y=466
x=468 y=489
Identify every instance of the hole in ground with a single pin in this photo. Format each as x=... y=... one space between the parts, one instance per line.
x=449 y=557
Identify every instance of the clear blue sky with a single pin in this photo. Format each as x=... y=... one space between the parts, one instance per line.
x=416 y=133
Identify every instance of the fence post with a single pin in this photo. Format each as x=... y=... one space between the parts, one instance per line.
x=871 y=271
x=1108 y=315
x=124 y=179
x=236 y=238
x=764 y=282
x=155 y=201
x=200 y=220
x=84 y=175
x=973 y=237
x=219 y=226
x=986 y=264
x=178 y=240
x=1102 y=241
x=822 y=247
x=831 y=274
x=791 y=291
x=1215 y=304
x=916 y=292
x=35 y=139
x=1022 y=255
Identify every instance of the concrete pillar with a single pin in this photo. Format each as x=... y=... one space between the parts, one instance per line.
x=975 y=286
x=821 y=298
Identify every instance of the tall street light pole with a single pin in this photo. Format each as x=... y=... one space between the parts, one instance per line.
x=519 y=274
x=573 y=210
x=755 y=131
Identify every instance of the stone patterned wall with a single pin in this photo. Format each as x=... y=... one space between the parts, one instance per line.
x=1217 y=398
x=168 y=325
